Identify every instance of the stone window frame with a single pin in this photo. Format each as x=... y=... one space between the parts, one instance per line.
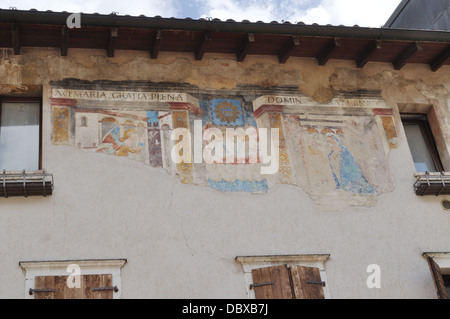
x=33 y=269
x=5 y=99
x=442 y=259
x=436 y=124
x=421 y=120
x=249 y=263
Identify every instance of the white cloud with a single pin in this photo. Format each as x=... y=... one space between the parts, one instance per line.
x=373 y=13
x=370 y=13
x=166 y=8
x=237 y=10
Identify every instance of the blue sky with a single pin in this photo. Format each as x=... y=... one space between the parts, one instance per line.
x=366 y=13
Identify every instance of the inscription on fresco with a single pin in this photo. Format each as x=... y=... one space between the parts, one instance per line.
x=304 y=100
x=118 y=95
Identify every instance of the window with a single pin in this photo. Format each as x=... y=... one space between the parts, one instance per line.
x=20 y=134
x=439 y=264
x=446 y=279
x=421 y=143
x=285 y=277
x=76 y=279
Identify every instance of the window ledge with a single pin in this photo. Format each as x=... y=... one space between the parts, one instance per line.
x=314 y=260
x=25 y=183
x=432 y=183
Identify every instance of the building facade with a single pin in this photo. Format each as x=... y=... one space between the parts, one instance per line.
x=413 y=14
x=170 y=158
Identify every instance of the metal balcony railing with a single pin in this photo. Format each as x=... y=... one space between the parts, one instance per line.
x=25 y=183
x=432 y=183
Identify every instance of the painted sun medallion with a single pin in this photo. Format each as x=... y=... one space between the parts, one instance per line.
x=227 y=112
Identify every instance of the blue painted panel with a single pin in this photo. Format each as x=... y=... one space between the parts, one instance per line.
x=206 y=116
x=348 y=176
x=239 y=186
x=153 y=120
x=227 y=112
x=250 y=119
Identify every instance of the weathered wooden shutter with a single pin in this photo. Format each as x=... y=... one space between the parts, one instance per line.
x=272 y=283
x=307 y=283
x=438 y=280
x=44 y=287
x=287 y=282
x=91 y=287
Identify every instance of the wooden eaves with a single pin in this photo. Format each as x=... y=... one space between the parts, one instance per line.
x=20 y=29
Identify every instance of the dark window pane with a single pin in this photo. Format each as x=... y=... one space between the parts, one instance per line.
x=19 y=136
x=447 y=283
x=419 y=149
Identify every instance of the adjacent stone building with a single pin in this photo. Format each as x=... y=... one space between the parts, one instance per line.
x=330 y=182
x=419 y=14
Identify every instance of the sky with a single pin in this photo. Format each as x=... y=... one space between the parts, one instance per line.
x=364 y=13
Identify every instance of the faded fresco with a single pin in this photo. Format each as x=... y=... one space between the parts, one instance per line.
x=337 y=155
x=122 y=135
x=61 y=118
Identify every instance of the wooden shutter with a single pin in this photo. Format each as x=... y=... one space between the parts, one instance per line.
x=307 y=283
x=98 y=281
x=287 y=282
x=272 y=283
x=45 y=287
x=55 y=287
x=438 y=280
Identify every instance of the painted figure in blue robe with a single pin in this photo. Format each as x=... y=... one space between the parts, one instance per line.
x=346 y=171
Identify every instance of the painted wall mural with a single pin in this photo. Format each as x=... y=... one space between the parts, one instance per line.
x=336 y=153
x=122 y=135
x=61 y=118
x=227 y=112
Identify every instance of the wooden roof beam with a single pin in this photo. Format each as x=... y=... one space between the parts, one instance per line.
x=245 y=47
x=440 y=60
x=288 y=49
x=367 y=54
x=15 y=39
x=407 y=54
x=113 y=35
x=64 y=40
x=156 y=44
x=329 y=50
x=203 y=45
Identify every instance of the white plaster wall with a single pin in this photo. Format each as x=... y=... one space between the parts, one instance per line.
x=180 y=241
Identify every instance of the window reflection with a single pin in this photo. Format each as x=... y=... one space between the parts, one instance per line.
x=419 y=149
x=19 y=136
x=421 y=143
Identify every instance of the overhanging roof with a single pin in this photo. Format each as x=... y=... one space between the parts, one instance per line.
x=419 y=14
x=112 y=32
